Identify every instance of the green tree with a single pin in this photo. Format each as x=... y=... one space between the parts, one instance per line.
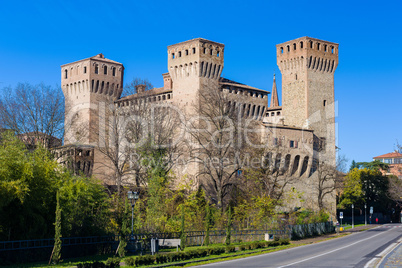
x=182 y=230
x=229 y=227
x=57 y=236
x=207 y=223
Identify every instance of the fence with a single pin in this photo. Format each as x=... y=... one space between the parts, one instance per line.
x=36 y=250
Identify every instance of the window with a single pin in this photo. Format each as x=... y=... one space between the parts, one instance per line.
x=301 y=44
x=210 y=52
x=96 y=69
x=65 y=74
x=172 y=55
x=292 y=144
x=282 y=50
x=325 y=102
x=388 y=161
x=85 y=69
x=217 y=53
x=294 y=46
x=104 y=69
x=179 y=54
x=193 y=50
x=205 y=50
x=114 y=71
x=186 y=52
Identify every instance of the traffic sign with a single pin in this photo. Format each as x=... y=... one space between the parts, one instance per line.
x=371 y=210
x=341 y=215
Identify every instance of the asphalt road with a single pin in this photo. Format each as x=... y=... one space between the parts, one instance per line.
x=354 y=250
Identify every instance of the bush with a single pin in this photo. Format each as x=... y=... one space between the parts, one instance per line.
x=130 y=261
x=144 y=260
x=161 y=259
x=285 y=241
x=242 y=247
x=95 y=264
x=113 y=262
x=229 y=249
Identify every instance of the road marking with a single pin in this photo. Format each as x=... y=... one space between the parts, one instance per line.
x=376 y=260
x=329 y=252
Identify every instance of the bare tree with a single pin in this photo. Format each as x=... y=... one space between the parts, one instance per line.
x=36 y=111
x=133 y=129
x=132 y=87
x=217 y=142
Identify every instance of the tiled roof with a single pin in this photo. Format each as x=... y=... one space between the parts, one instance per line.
x=225 y=81
x=389 y=155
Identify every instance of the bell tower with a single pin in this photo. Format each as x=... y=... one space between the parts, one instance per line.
x=307 y=66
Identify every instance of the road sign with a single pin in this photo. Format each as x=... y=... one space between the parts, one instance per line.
x=340 y=215
x=371 y=210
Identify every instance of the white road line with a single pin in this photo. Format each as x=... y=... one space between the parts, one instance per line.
x=329 y=252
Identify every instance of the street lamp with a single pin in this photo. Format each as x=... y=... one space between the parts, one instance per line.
x=365 y=218
x=133 y=197
x=353 y=222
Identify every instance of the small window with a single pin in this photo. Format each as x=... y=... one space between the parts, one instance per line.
x=186 y=52
x=193 y=50
x=278 y=113
x=179 y=54
x=172 y=55
x=205 y=50
x=104 y=69
x=301 y=44
x=273 y=114
x=65 y=74
x=96 y=69
x=210 y=52
x=318 y=46
x=288 y=47
x=85 y=69
x=282 y=50
x=217 y=53
x=296 y=76
x=332 y=50
x=114 y=71
x=325 y=103
x=294 y=46
x=311 y=44
x=325 y=48
x=292 y=144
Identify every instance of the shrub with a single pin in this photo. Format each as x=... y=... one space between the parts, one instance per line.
x=130 y=261
x=242 y=247
x=254 y=245
x=285 y=241
x=161 y=259
x=113 y=262
x=229 y=249
x=145 y=260
x=94 y=264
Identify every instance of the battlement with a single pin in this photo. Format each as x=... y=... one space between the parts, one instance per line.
x=95 y=74
x=196 y=58
x=315 y=54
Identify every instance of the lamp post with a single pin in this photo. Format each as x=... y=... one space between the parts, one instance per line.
x=365 y=218
x=353 y=222
x=133 y=197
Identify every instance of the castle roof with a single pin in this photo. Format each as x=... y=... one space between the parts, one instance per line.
x=389 y=155
x=225 y=81
x=147 y=93
x=98 y=57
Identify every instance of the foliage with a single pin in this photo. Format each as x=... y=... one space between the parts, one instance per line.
x=182 y=230
x=228 y=226
x=57 y=236
x=365 y=186
x=29 y=181
x=207 y=224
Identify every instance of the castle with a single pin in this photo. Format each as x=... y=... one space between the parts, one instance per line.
x=303 y=127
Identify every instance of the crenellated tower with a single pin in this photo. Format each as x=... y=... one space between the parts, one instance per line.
x=193 y=65
x=307 y=66
x=88 y=85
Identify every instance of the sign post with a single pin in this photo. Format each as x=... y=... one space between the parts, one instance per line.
x=371 y=213
x=353 y=222
x=341 y=217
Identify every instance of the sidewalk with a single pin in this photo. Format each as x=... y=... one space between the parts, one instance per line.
x=394 y=259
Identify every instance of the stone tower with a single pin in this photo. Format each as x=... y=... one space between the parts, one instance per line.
x=307 y=66
x=88 y=85
x=193 y=65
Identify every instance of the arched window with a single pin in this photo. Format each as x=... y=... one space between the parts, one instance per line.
x=114 y=71
x=294 y=46
x=105 y=69
x=85 y=69
x=301 y=44
x=96 y=69
x=193 y=50
x=65 y=74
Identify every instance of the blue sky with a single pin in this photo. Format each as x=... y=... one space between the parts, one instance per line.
x=36 y=37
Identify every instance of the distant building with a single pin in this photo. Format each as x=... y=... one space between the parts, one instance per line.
x=394 y=160
x=32 y=139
